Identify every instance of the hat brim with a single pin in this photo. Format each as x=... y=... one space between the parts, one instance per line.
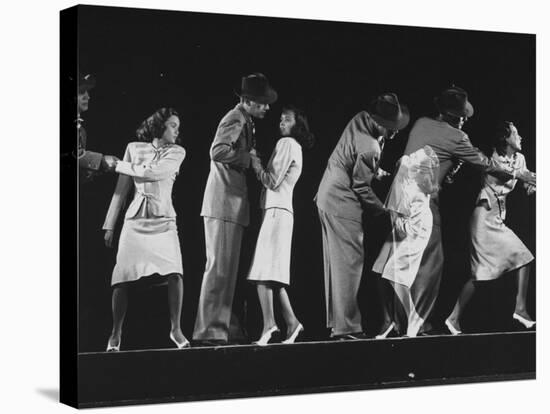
x=467 y=112
x=398 y=124
x=86 y=85
x=269 y=98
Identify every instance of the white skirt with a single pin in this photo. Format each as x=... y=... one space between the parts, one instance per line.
x=147 y=247
x=271 y=262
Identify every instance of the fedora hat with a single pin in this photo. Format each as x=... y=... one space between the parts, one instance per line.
x=85 y=83
x=387 y=111
x=454 y=101
x=256 y=88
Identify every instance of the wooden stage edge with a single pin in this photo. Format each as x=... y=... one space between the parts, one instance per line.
x=171 y=375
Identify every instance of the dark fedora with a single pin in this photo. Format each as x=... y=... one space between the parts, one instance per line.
x=454 y=101
x=256 y=88
x=85 y=83
x=388 y=112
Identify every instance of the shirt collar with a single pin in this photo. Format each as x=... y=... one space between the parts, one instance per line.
x=246 y=115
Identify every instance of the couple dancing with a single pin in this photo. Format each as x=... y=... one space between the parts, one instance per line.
x=226 y=213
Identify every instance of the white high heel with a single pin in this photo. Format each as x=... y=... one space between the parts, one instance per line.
x=113 y=348
x=386 y=332
x=180 y=345
x=294 y=335
x=266 y=337
x=451 y=328
x=525 y=322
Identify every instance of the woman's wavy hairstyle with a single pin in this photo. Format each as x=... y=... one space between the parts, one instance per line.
x=502 y=133
x=153 y=126
x=300 y=131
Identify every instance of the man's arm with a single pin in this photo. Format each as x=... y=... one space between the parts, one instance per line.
x=363 y=173
x=466 y=152
x=225 y=148
x=89 y=160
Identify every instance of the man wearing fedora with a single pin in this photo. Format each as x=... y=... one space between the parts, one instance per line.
x=90 y=163
x=445 y=136
x=344 y=194
x=225 y=207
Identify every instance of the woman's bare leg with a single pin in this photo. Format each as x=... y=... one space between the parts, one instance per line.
x=521 y=296
x=175 y=303
x=288 y=314
x=463 y=299
x=265 y=295
x=119 y=305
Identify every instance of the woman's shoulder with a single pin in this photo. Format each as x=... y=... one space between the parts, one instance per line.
x=290 y=144
x=136 y=145
x=177 y=150
x=289 y=141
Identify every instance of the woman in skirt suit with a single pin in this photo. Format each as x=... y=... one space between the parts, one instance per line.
x=496 y=249
x=149 y=245
x=270 y=269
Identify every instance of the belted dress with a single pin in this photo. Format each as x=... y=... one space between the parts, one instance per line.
x=149 y=243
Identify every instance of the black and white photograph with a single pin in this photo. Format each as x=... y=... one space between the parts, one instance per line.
x=302 y=205
x=280 y=193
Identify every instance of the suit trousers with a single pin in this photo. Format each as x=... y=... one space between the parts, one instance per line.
x=223 y=248
x=343 y=257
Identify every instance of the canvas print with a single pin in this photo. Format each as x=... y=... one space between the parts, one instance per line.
x=284 y=206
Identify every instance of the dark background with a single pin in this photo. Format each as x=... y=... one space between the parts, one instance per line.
x=145 y=59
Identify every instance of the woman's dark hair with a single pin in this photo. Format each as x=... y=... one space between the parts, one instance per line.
x=503 y=132
x=153 y=127
x=300 y=131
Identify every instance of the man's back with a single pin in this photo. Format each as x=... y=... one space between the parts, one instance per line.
x=441 y=137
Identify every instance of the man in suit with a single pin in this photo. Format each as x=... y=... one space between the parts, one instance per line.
x=344 y=194
x=225 y=208
x=445 y=136
x=90 y=163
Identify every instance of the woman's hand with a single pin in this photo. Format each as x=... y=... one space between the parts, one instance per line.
x=381 y=174
x=255 y=161
x=109 y=236
x=528 y=177
x=531 y=189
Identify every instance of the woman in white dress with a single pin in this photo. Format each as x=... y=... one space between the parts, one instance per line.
x=149 y=245
x=399 y=260
x=496 y=249
x=270 y=268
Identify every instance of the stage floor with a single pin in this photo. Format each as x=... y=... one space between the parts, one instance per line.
x=165 y=375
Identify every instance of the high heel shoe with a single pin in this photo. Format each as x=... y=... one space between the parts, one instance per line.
x=266 y=337
x=113 y=348
x=180 y=345
x=451 y=328
x=386 y=332
x=525 y=322
x=294 y=335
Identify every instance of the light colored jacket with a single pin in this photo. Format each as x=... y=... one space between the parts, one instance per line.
x=153 y=171
x=280 y=176
x=345 y=188
x=226 y=192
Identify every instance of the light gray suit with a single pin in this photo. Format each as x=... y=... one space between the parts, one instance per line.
x=225 y=209
x=345 y=191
